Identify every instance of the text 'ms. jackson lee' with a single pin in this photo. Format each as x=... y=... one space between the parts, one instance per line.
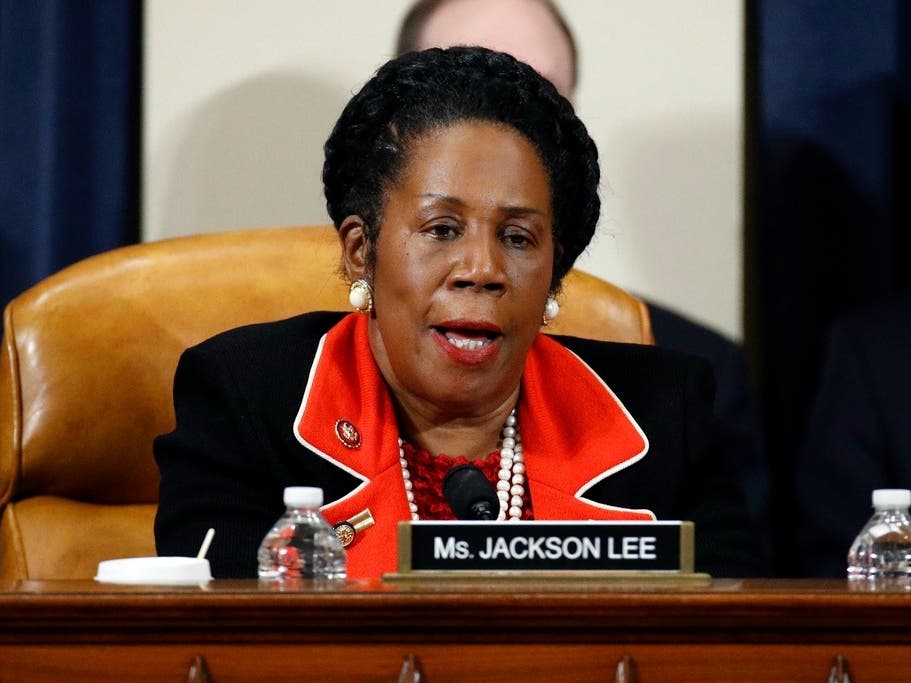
x=627 y=546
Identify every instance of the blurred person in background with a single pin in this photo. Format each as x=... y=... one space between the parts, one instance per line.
x=859 y=434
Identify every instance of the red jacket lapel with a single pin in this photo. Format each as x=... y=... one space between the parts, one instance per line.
x=346 y=385
x=573 y=437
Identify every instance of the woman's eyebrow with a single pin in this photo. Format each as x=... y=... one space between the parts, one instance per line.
x=509 y=210
x=442 y=197
x=521 y=211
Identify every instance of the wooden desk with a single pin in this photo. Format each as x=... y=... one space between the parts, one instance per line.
x=502 y=631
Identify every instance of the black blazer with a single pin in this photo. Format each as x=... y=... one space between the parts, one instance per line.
x=233 y=450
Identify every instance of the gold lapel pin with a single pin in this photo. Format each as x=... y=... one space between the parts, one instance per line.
x=348 y=530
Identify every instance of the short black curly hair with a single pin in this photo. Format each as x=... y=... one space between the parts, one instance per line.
x=425 y=91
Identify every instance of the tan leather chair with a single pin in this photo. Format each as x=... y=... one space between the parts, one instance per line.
x=88 y=361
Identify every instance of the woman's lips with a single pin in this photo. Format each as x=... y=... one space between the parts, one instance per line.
x=468 y=343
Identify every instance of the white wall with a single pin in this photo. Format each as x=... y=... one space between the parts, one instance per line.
x=240 y=95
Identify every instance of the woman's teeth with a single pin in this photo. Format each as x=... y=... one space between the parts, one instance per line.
x=465 y=343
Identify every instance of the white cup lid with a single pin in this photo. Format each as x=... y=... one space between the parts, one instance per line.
x=155 y=571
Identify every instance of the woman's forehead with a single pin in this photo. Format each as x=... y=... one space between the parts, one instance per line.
x=479 y=158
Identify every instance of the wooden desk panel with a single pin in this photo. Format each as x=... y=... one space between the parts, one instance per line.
x=445 y=664
x=484 y=631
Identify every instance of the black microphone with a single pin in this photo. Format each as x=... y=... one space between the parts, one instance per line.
x=470 y=495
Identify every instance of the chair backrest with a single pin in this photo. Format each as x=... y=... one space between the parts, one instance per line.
x=88 y=359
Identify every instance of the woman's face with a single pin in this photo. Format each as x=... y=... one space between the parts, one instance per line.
x=464 y=262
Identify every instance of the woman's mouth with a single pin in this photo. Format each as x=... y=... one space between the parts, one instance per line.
x=469 y=343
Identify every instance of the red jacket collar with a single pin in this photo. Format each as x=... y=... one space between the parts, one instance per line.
x=569 y=444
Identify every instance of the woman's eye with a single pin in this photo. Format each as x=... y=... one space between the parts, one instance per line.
x=517 y=238
x=443 y=231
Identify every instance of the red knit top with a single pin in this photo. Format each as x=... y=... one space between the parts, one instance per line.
x=427 y=472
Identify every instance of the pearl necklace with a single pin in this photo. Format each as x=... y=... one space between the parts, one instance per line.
x=510 y=478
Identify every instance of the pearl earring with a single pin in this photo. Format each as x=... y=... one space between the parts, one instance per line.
x=360 y=296
x=551 y=311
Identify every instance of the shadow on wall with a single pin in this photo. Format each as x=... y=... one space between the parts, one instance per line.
x=249 y=156
x=682 y=190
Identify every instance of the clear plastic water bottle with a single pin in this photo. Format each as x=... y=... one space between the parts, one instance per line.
x=882 y=549
x=301 y=544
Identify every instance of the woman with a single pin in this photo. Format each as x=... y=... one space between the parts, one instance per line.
x=463 y=188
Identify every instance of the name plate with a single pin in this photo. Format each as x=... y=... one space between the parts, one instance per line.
x=427 y=546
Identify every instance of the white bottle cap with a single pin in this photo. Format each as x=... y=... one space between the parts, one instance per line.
x=891 y=498
x=303 y=496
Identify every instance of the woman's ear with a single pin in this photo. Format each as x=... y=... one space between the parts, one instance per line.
x=354 y=247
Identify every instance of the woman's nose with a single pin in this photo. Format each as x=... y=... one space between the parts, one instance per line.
x=479 y=263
